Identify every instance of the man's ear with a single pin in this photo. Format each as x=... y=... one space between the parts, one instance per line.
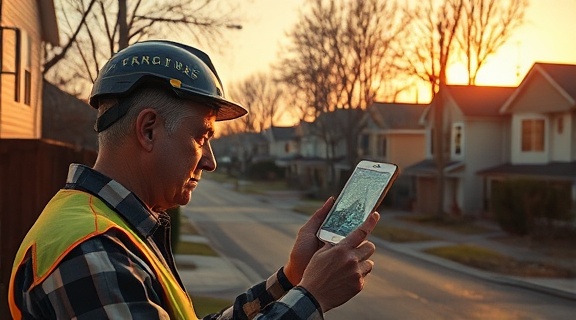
x=147 y=124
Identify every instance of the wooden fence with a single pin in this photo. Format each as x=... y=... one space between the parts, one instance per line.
x=31 y=172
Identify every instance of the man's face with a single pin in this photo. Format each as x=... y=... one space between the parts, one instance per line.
x=182 y=156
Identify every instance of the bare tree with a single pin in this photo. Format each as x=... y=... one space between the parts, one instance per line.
x=94 y=30
x=432 y=37
x=340 y=57
x=306 y=66
x=486 y=26
x=433 y=34
x=441 y=30
x=261 y=95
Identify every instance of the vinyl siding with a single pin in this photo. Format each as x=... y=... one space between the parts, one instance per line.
x=19 y=120
x=406 y=149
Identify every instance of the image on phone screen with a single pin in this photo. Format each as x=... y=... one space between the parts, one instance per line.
x=357 y=201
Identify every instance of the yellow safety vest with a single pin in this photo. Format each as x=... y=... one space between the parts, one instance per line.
x=70 y=218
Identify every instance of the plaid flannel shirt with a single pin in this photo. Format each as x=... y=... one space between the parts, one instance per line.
x=105 y=277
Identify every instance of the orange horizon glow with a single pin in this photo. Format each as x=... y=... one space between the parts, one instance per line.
x=546 y=36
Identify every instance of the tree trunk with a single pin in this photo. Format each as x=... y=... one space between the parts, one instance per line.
x=439 y=154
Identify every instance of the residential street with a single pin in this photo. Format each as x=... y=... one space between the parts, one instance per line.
x=257 y=237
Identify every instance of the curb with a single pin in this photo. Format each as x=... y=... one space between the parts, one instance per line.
x=489 y=276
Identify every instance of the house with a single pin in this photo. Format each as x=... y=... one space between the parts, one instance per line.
x=308 y=169
x=234 y=153
x=68 y=119
x=477 y=136
x=282 y=144
x=541 y=124
x=24 y=25
x=27 y=166
x=393 y=133
x=324 y=150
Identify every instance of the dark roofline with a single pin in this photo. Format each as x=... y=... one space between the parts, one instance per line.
x=493 y=98
x=553 y=171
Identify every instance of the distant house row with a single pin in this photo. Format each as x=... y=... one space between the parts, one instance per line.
x=495 y=133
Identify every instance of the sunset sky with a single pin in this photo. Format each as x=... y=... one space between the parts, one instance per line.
x=549 y=35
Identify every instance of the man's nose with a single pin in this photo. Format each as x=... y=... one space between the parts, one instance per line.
x=208 y=160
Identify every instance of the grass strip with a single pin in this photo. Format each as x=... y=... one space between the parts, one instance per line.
x=488 y=260
x=458 y=225
x=208 y=305
x=200 y=249
x=394 y=234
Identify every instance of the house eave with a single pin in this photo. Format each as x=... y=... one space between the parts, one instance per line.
x=49 y=22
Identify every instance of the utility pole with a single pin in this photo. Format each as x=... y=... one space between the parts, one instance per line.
x=122 y=25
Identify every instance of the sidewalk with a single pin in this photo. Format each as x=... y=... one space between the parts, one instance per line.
x=208 y=277
x=556 y=286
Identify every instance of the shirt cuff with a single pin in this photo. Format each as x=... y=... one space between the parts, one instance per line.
x=299 y=299
x=283 y=280
x=278 y=284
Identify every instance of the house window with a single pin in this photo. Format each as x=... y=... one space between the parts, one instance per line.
x=432 y=141
x=532 y=135
x=560 y=124
x=27 y=49
x=23 y=89
x=457 y=139
x=364 y=144
x=382 y=144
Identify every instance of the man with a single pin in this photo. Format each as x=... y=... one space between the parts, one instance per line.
x=101 y=247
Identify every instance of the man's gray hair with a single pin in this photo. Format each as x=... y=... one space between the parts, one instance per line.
x=170 y=108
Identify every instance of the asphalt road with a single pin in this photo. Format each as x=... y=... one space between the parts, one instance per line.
x=258 y=236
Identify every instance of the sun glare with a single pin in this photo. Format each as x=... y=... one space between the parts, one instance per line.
x=457 y=74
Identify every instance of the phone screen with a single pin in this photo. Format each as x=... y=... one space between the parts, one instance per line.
x=357 y=200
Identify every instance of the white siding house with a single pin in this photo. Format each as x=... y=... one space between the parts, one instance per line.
x=542 y=125
x=25 y=24
x=476 y=139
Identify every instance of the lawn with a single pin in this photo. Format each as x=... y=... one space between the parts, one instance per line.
x=208 y=305
x=200 y=249
x=458 y=225
x=395 y=234
x=488 y=260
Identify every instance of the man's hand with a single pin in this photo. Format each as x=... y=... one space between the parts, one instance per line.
x=306 y=244
x=336 y=273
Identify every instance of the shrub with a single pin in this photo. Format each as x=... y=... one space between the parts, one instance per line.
x=524 y=207
x=264 y=170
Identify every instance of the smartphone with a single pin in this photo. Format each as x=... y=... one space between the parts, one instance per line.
x=361 y=195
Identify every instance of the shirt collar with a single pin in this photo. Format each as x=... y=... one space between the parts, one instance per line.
x=115 y=195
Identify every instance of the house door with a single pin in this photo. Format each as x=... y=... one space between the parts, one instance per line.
x=426 y=195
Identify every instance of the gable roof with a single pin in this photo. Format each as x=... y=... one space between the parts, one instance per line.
x=560 y=76
x=282 y=133
x=304 y=128
x=564 y=75
x=396 y=115
x=480 y=101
